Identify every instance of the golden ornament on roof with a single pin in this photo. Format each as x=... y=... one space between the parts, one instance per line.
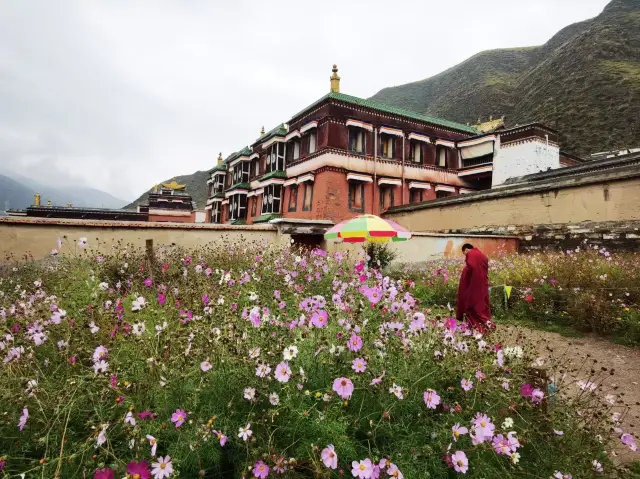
x=174 y=185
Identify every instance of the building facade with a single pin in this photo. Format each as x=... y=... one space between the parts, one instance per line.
x=343 y=156
x=169 y=203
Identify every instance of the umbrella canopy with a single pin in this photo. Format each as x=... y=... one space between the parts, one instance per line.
x=368 y=228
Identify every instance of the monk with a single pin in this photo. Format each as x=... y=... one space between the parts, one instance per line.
x=473 y=291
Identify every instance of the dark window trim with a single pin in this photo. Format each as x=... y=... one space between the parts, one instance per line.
x=351 y=207
x=307 y=184
x=295 y=206
x=356 y=129
x=392 y=189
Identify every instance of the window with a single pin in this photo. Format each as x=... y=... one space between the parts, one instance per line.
x=441 y=156
x=416 y=195
x=443 y=194
x=387 y=146
x=356 y=196
x=271 y=199
x=254 y=206
x=293 y=150
x=386 y=197
x=255 y=168
x=416 y=151
x=293 y=197
x=241 y=173
x=356 y=141
x=238 y=207
x=275 y=158
x=312 y=137
x=215 y=212
x=217 y=185
x=308 y=196
x=210 y=192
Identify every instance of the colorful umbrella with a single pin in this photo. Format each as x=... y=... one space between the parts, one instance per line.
x=368 y=228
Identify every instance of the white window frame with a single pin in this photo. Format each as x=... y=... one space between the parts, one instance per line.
x=276 y=154
x=236 y=210
x=272 y=199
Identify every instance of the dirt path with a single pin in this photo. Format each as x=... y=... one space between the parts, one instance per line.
x=579 y=357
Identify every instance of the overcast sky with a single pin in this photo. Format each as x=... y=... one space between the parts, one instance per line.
x=121 y=94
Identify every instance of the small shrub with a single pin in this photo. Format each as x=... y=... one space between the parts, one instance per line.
x=380 y=255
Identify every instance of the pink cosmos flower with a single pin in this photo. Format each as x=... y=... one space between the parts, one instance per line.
x=263 y=370
x=221 y=437
x=480 y=376
x=362 y=469
x=179 y=417
x=105 y=473
x=163 y=468
x=466 y=384
x=359 y=365
x=536 y=396
x=329 y=457
x=378 y=380
x=343 y=387
x=355 y=343
x=526 y=390
x=393 y=471
x=205 y=366
x=460 y=462
x=626 y=439
x=162 y=299
x=148 y=282
x=458 y=430
x=23 y=419
x=153 y=442
x=260 y=470
x=139 y=469
x=482 y=428
x=320 y=319
x=283 y=372
x=431 y=398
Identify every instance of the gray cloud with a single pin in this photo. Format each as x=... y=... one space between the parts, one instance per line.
x=122 y=94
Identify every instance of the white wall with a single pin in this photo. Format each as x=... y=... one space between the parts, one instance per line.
x=519 y=159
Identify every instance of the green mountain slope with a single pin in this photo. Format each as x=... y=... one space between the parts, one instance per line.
x=585 y=82
x=196 y=187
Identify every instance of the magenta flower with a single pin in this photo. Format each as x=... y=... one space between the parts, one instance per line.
x=343 y=387
x=466 y=384
x=139 y=469
x=460 y=462
x=359 y=365
x=105 y=473
x=458 y=430
x=162 y=299
x=355 y=343
x=627 y=440
x=179 y=417
x=260 y=470
x=23 y=419
x=320 y=319
x=148 y=282
x=431 y=398
x=526 y=390
x=283 y=372
x=329 y=457
x=362 y=469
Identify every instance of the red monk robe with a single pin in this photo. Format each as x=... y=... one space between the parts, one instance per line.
x=473 y=292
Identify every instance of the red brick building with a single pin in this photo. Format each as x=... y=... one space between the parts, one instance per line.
x=343 y=156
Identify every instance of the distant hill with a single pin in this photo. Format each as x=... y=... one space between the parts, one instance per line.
x=18 y=191
x=585 y=82
x=13 y=195
x=196 y=187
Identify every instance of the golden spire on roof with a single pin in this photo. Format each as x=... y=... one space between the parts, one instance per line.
x=36 y=199
x=335 y=80
x=491 y=125
x=174 y=185
x=220 y=158
x=262 y=131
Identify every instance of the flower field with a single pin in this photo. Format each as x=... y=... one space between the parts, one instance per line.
x=588 y=289
x=257 y=361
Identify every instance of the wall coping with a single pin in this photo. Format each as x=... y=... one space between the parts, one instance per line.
x=34 y=221
x=588 y=178
x=462 y=235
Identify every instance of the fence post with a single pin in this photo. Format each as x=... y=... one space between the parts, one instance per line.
x=149 y=253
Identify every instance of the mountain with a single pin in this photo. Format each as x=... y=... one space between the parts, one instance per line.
x=196 y=187
x=18 y=191
x=584 y=82
x=13 y=195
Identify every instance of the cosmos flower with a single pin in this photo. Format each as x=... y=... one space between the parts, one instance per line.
x=282 y=372
x=139 y=469
x=179 y=417
x=362 y=469
x=460 y=462
x=431 y=398
x=359 y=365
x=466 y=384
x=260 y=470
x=245 y=433
x=343 y=387
x=163 y=468
x=329 y=457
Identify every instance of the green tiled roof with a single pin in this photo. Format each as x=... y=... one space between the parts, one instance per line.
x=268 y=217
x=374 y=105
x=279 y=130
x=221 y=167
x=239 y=186
x=240 y=221
x=246 y=151
x=274 y=174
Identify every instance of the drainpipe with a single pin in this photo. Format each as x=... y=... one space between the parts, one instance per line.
x=375 y=165
x=402 y=187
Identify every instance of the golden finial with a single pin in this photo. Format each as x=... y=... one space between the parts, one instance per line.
x=36 y=199
x=220 y=158
x=70 y=205
x=174 y=185
x=48 y=202
x=262 y=131
x=335 y=80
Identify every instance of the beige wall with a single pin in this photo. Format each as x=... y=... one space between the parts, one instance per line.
x=599 y=202
x=38 y=238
